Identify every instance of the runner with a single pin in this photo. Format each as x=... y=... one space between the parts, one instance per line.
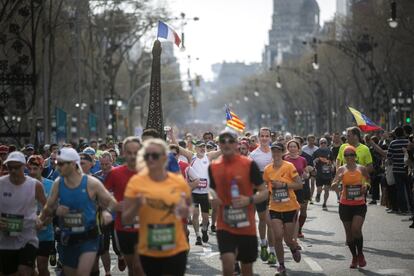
x=322 y=160
x=310 y=149
x=18 y=221
x=233 y=181
x=46 y=235
x=78 y=196
x=116 y=182
x=282 y=179
x=352 y=207
x=336 y=145
x=161 y=199
x=198 y=170
x=244 y=148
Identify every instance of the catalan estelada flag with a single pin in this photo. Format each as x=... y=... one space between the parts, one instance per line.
x=234 y=121
x=363 y=122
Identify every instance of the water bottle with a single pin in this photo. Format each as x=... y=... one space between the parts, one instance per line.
x=234 y=189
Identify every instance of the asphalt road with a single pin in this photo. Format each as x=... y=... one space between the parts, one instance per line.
x=388 y=244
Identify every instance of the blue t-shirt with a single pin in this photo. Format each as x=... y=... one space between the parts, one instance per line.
x=96 y=168
x=172 y=165
x=46 y=234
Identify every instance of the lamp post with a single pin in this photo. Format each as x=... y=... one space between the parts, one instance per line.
x=184 y=21
x=392 y=21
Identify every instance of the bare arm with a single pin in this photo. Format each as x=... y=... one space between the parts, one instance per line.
x=51 y=202
x=213 y=154
x=338 y=176
x=131 y=208
x=105 y=199
x=186 y=153
x=40 y=194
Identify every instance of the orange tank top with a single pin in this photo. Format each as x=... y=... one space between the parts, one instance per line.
x=352 y=182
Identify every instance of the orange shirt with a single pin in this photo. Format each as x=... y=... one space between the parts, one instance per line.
x=283 y=199
x=161 y=232
x=352 y=182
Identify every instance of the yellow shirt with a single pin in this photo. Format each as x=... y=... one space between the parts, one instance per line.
x=281 y=200
x=161 y=232
x=363 y=158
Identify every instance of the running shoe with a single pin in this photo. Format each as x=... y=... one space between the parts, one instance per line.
x=296 y=255
x=281 y=270
x=354 y=263
x=300 y=235
x=205 y=235
x=324 y=207
x=264 y=255
x=272 y=259
x=373 y=202
x=213 y=228
x=198 y=241
x=412 y=225
x=52 y=260
x=318 y=198
x=121 y=264
x=361 y=260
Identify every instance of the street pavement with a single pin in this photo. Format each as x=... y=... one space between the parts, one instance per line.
x=388 y=245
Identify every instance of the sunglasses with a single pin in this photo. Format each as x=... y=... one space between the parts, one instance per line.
x=349 y=154
x=153 y=155
x=323 y=143
x=227 y=141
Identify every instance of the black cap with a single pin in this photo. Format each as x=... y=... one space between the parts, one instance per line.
x=211 y=144
x=199 y=143
x=277 y=145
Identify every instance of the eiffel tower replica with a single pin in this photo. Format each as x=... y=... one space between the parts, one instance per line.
x=155 y=118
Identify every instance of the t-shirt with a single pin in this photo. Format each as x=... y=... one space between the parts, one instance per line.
x=396 y=155
x=161 y=232
x=261 y=158
x=299 y=163
x=46 y=234
x=335 y=151
x=309 y=150
x=323 y=164
x=183 y=166
x=363 y=157
x=172 y=165
x=116 y=182
x=281 y=199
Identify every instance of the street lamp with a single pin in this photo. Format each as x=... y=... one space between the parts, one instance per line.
x=392 y=21
x=256 y=93
x=315 y=63
x=184 y=22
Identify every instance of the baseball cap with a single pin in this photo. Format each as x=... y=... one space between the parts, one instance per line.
x=211 y=144
x=4 y=149
x=37 y=159
x=29 y=147
x=16 y=156
x=278 y=146
x=68 y=155
x=89 y=151
x=199 y=143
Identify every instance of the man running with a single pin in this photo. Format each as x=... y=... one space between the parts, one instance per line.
x=310 y=149
x=322 y=160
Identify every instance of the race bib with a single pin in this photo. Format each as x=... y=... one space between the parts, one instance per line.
x=74 y=222
x=280 y=194
x=353 y=192
x=135 y=225
x=202 y=184
x=326 y=169
x=14 y=224
x=236 y=217
x=161 y=236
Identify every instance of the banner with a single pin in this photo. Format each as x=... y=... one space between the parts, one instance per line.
x=61 y=125
x=92 y=119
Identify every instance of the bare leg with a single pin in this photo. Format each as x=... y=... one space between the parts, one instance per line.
x=42 y=265
x=227 y=261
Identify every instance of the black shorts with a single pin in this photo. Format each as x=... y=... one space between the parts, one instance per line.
x=126 y=242
x=303 y=194
x=347 y=212
x=104 y=239
x=174 y=265
x=262 y=206
x=246 y=245
x=10 y=260
x=285 y=217
x=46 y=248
x=202 y=201
x=323 y=182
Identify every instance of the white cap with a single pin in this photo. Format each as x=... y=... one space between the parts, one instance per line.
x=68 y=154
x=16 y=156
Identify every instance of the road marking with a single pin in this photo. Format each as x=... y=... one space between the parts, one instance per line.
x=313 y=264
x=207 y=252
x=393 y=271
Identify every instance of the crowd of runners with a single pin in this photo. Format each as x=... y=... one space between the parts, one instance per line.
x=64 y=205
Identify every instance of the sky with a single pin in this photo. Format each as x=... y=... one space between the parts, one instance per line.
x=228 y=30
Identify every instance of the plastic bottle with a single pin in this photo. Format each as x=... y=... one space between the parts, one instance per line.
x=234 y=189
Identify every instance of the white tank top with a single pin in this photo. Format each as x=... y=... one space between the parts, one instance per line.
x=199 y=169
x=18 y=204
x=261 y=158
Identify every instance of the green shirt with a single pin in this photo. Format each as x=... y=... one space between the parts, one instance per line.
x=363 y=153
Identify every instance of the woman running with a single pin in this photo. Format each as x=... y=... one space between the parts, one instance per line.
x=282 y=179
x=352 y=206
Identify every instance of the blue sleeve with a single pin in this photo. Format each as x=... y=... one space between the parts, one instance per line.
x=172 y=164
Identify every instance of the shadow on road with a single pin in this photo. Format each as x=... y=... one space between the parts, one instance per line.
x=324 y=242
x=316 y=232
x=290 y=272
x=389 y=253
x=321 y=255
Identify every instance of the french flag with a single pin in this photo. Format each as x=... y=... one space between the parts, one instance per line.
x=166 y=32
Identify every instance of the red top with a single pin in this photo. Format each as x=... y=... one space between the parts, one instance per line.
x=183 y=166
x=116 y=182
x=299 y=163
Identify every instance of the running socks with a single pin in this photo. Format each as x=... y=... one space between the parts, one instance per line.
x=263 y=242
x=359 y=243
x=352 y=248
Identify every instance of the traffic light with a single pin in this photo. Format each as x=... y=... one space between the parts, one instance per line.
x=408 y=119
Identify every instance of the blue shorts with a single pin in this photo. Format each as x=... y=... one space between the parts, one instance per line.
x=71 y=253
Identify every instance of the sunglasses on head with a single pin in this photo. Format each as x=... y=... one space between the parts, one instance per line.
x=227 y=140
x=349 y=154
x=152 y=155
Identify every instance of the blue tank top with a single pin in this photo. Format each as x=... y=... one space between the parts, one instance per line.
x=47 y=233
x=82 y=214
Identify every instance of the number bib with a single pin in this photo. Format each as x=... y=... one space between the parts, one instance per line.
x=203 y=183
x=74 y=222
x=14 y=224
x=353 y=192
x=236 y=217
x=161 y=236
x=326 y=169
x=135 y=225
x=280 y=195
